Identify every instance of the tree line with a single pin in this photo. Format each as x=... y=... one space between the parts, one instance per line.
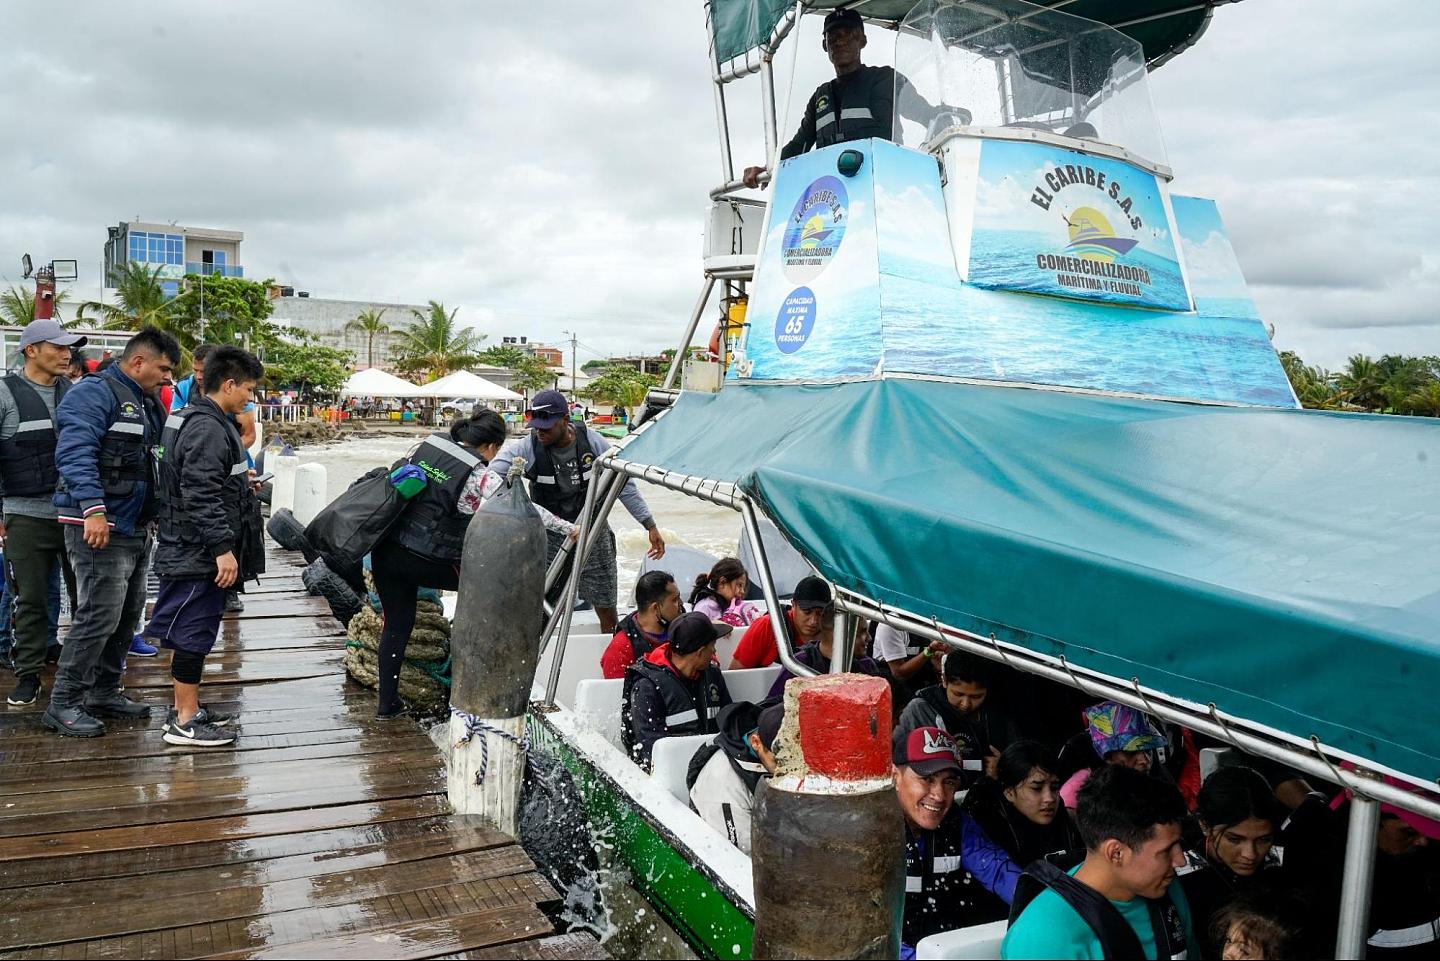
x=1393 y=384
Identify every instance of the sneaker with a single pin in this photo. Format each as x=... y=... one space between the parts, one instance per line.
x=138 y=647
x=52 y=654
x=196 y=734
x=206 y=715
x=115 y=705
x=71 y=721
x=25 y=691
x=233 y=604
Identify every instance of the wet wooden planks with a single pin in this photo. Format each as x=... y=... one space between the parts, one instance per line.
x=324 y=833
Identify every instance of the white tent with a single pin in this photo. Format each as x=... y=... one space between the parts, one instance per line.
x=374 y=382
x=463 y=384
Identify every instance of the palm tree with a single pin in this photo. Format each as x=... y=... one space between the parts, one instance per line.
x=436 y=344
x=370 y=324
x=1361 y=382
x=17 y=305
x=1426 y=400
x=140 y=300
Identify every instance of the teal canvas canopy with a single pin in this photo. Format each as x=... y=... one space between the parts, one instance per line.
x=1163 y=27
x=1282 y=564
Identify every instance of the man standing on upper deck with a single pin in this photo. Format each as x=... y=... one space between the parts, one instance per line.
x=559 y=457
x=858 y=104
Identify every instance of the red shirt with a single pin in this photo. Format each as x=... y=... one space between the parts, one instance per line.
x=620 y=653
x=758 y=647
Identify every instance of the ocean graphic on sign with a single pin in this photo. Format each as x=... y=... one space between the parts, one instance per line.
x=1054 y=221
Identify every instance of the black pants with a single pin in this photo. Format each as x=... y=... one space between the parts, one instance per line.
x=399 y=573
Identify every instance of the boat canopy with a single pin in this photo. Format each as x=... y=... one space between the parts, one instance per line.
x=1163 y=27
x=1278 y=564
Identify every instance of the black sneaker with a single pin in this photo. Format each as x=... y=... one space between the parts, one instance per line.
x=233 y=604
x=25 y=691
x=115 y=704
x=196 y=734
x=206 y=715
x=71 y=721
x=399 y=709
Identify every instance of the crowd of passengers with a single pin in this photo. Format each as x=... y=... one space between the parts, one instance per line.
x=1086 y=825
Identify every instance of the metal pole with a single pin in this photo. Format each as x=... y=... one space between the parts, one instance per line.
x=552 y=574
x=589 y=542
x=567 y=600
x=1359 y=873
x=695 y=316
x=767 y=107
x=778 y=621
x=843 y=649
x=722 y=120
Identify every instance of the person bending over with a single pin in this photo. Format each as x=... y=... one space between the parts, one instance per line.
x=726 y=773
x=962 y=707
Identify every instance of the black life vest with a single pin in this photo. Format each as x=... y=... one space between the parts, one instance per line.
x=639 y=644
x=27 y=460
x=690 y=706
x=242 y=509
x=940 y=895
x=1118 y=940
x=856 y=107
x=127 y=446
x=432 y=525
x=545 y=486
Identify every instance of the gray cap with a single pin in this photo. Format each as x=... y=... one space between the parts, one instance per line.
x=49 y=332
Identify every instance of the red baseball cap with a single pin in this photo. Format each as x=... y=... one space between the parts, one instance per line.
x=927 y=751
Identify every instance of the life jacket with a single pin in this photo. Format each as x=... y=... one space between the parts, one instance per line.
x=242 y=508
x=857 y=107
x=126 y=452
x=545 y=486
x=690 y=706
x=639 y=644
x=27 y=460
x=432 y=525
x=1118 y=940
x=940 y=895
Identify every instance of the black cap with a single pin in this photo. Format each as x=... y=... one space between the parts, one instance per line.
x=810 y=593
x=692 y=631
x=843 y=17
x=768 y=726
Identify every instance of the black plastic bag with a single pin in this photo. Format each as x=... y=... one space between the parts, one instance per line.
x=352 y=524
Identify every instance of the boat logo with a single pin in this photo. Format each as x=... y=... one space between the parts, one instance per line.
x=128 y=409
x=815 y=229
x=1092 y=237
x=796 y=320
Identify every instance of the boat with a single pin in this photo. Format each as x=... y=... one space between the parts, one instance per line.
x=1001 y=387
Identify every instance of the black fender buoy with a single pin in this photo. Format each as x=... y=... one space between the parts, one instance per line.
x=289 y=533
x=321 y=581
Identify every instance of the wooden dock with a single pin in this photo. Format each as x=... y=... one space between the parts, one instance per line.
x=323 y=833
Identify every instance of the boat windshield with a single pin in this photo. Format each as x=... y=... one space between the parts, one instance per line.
x=997 y=64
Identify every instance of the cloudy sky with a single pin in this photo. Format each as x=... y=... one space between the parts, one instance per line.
x=549 y=173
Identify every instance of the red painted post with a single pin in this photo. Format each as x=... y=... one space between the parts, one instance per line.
x=828 y=838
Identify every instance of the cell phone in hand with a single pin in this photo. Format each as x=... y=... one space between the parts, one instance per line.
x=262 y=478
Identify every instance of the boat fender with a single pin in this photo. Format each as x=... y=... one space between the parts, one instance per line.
x=321 y=581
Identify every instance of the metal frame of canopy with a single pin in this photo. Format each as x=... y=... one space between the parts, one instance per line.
x=1312 y=758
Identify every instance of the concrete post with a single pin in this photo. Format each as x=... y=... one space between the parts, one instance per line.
x=827 y=829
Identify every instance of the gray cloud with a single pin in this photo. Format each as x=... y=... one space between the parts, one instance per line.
x=549 y=172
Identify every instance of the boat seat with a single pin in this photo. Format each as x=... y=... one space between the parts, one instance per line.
x=670 y=762
x=981 y=941
x=598 y=701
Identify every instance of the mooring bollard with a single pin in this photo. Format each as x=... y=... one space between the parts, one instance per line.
x=828 y=838
x=310 y=492
x=494 y=644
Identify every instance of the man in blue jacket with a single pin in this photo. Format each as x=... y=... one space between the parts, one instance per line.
x=108 y=426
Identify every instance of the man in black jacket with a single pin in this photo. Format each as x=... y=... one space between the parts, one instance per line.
x=858 y=104
x=677 y=689
x=209 y=537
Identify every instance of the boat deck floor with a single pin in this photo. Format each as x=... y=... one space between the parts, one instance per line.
x=322 y=833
